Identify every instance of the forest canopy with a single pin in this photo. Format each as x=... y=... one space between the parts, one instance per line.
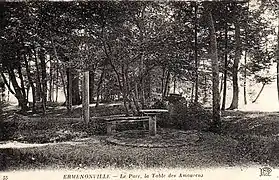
x=136 y=52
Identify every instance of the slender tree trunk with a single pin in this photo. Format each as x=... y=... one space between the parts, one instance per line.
x=166 y=84
x=205 y=90
x=28 y=72
x=2 y=96
x=196 y=57
x=135 y=99
x=38 y=77
x=50 y=95
x=57 y=73
x=129 y=92
x=27 y=93
x=8 y=99
x=215 y=126
x=99 y=86
x=64 y=86
x=56 y=92
x=57 y=81
x=168 y=89
x=174 y=84
x=91 y=85
x=192 y=92
x=76 y=100
x=221 y=83
x=22 y=84
x=245 y=60
x=85 y=100
x=234 y=104
x=259 y=93
x=163 y=82
x=245 y=78
x=142 y=85
x=148 y=86
x=125 y=91
x=44 y=80
x=225 y=68
x=278 y=56
x=8 y=84
x=69 y=89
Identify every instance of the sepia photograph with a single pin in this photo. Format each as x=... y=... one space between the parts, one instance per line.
x=152 y=90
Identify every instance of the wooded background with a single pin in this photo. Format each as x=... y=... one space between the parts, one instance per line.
x=136 y=52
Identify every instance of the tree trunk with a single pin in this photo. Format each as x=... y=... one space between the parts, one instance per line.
x=22 y=84
x=221 y=84
x=135 y=98
x=57 y=73
x=38 y=77
x=215 y=126
x=174 y=84
x=64 y=86
x=163 y=82
x=196 y=57
x=99 y=86
x=69 y=89
x=28 y=72
x=148 y=86
x=76 y=100
x=18 y=91
x=142 y=85
x=57 y=81
x=245 y=61
x=278 y=56
x=259 y=93
x=165 y=94
x=192 y=92
x=44 y=80
x=56 y=92
x=91 y=85
x=50 y=95
x=27 y=93
x=85 y=99
x=205 y=90
x=225 y=69
x=245 y=79
x=234 y=104
x=125 y=91
x=8 y=84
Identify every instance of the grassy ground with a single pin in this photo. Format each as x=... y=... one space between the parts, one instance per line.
x=247 y=138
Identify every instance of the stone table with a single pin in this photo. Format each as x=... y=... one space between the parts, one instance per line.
x=152 y=120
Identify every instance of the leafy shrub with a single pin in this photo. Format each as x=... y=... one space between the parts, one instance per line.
x=8 y=130
x=181 y=116
x=95 y=127
x=159 y=105
x=9 y=126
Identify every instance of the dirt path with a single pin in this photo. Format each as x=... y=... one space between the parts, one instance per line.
x=20 y=145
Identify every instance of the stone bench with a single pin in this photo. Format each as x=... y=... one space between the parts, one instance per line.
x=113 y=120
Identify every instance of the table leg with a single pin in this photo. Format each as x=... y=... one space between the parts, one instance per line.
x=111 y=127
x=152 y=125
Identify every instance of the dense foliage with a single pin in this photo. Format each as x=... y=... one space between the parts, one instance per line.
x=135 y=52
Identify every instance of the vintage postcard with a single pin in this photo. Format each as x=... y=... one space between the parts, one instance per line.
x=150 y=90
